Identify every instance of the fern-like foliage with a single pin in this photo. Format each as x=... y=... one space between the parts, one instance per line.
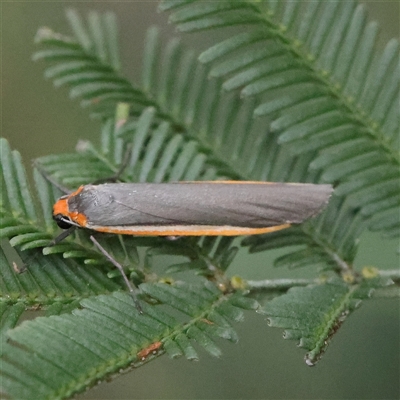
x=208 y=135
x=312 y=315
x=63 y=285
x=179 y=125
x=328 y=97
x=89 y=62
x=107 y=334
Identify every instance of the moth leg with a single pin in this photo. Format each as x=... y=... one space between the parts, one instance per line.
x=128 y=283
x=62 y=236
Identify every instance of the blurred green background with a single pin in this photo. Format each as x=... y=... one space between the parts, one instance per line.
x=362 y=362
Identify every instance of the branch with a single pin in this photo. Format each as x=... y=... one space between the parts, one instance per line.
x=285 y=284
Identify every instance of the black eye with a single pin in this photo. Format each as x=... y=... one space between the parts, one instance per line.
x=61 y=221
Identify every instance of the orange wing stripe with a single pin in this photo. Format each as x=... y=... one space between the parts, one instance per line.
x=181 y=230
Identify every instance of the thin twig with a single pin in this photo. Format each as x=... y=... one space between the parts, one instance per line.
x=279 y=284
x=284 y=284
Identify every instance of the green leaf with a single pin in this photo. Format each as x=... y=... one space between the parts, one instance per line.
x=91 y=67
x=320 y=74
x=231 y=44
x=9 y=318
x=49 y=279
x=321 y=111
x=73 y=351
x=313 y=314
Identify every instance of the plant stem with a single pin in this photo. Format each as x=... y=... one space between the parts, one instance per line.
x=279 y=284
x=284 y=284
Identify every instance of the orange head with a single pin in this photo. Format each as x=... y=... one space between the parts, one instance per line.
x=62 y=214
